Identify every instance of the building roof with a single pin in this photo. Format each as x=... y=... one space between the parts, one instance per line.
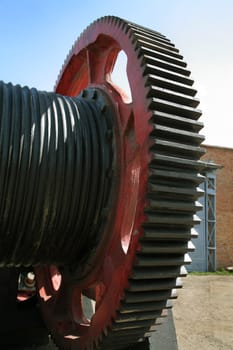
x=220 y=147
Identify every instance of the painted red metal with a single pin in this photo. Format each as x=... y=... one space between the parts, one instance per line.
x=91 y=63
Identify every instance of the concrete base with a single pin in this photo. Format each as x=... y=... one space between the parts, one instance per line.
x=165 y=337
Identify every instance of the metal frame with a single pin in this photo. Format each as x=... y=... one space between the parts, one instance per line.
x=210 y=215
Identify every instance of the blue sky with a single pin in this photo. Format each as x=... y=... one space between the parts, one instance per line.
x=36 y=36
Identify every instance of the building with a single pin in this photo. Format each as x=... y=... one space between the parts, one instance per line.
x=214 y=246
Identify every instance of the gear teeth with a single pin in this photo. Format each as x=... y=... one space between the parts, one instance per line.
x=172 y=206
x=156 y=62
x=135 y=325
x=151 y=39
x=169 y=219
x=141 y=297
x=172 y=185
x=171 y=96
x=171 y=202
x=162 y=56
x=161 y=160
x=171 y=147
x=151 y=284
x=167 y=73
x=176 y=122
x=162 y=260
x=174 y=108
x=159 y=273
x=171 y=191
x=139 y=316
x=141 y=308
x=148 y=32
x=165 y=248
x=174 y=176
x=164 y=234
x=184 y=91
x=155 y=46
x=173 y=134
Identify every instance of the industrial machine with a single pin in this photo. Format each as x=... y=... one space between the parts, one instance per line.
x=99 y=193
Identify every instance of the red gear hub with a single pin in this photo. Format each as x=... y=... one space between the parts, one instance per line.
x=131 y=275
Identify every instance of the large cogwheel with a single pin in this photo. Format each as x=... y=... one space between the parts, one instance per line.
x=135 y=269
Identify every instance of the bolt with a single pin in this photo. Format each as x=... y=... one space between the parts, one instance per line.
x=29 y=279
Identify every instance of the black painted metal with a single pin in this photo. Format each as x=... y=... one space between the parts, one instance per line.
x=55 y=156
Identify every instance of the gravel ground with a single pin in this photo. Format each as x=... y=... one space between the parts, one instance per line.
x=203 y=313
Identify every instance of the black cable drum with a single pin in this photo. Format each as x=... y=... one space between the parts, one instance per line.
x=55 y=156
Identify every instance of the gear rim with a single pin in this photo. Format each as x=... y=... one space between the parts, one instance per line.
x=103 y=335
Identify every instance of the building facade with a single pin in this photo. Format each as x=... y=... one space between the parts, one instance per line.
x=214 y=246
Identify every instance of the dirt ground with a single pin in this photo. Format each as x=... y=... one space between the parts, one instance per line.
x=203 y=313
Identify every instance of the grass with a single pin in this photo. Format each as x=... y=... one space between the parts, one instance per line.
x=222 y=272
